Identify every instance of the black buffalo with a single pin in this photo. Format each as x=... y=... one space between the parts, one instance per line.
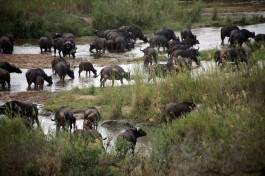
x=32 y=75
x=21 y=109
x=10 y=68
x=177 y=47
x=136 y=32
x=168 y=33
x=190 y=53
x=64 y=117
x=99 y=44
x=62 y=69
x=4 y=78
x=175 y=110
x=87 y=67
x=260 y=38
x=91 y=118
x=240 y=36
x=113 y=73
x=186 y=33
x=45 y=43
x=7 y=43
x=159 y=41
x=127 y=140
x=225 y=31
x=64 y=45
x=55 y=61
x=235 y=55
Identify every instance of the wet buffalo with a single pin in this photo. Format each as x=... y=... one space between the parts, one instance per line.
x=32 y=75
x=150 y=54
x=62 y=69
x=235 y=55
x=87 y=67
x=99 y=44
x=225 y=31
x=10 y=68
x=136 y=32
x=7 y=43
x=168 y=34
x=55 y=61
x=240 y=36
x=45 y=43
x=22 y=109
x=190 y=53
x=64 y=45
x=4 y=78
x=159 y=41
x=175 y=110
x=186 y=33
x=177 y=47
x=113 y=73
x=91 y=118
x=64 y=117
x=127 y=140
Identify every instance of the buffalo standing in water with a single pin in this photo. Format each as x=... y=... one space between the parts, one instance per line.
x=64 y=117
x=32 y=75
x=113 y=73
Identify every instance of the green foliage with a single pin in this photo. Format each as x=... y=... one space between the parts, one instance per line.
x=215 y=14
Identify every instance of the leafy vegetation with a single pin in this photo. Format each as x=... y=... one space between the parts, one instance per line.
x=33 y=19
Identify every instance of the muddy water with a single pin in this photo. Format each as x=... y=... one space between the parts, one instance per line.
x=108 y=133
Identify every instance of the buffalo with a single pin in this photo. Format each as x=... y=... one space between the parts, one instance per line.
x=150 y=54
x=10 y=68
x=55 y=61
x=62 y=68
x=186 y=33
x=136 y=32
x=87 y=67
x=159 y=41
x=45 y=43
x=113 y=73
x=260 y=38
x=159 y=70
x=98 y=44
x=168 y=34
x=32 y=75
x=177 y=47
x=235 y=55
x=7 y=43
x=225 y=31
x=64 y=45
x=240 y=36
x=91 y=118
x=4 y=78
x=22 y=109
x=127 y=140
x=175 y=110
x=64 y=117
x=190 y=53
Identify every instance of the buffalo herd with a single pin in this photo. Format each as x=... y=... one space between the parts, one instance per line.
x=181 y=54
